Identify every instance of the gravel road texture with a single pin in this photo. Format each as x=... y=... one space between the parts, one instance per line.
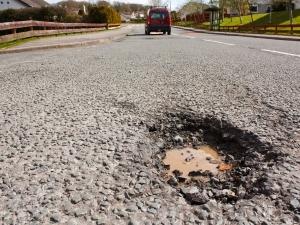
x=83 y=131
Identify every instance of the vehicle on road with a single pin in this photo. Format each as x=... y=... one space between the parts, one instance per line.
x=158 y=20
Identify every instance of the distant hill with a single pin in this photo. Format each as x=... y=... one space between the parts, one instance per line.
x=121 y=7
x=129 y=8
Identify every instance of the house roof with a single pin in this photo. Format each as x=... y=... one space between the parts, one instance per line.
x=35 y=3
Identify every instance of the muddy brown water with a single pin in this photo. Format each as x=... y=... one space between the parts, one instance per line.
x=186 y=160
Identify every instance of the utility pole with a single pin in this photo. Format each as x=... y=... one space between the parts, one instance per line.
x=291 y=12
x=270 y=19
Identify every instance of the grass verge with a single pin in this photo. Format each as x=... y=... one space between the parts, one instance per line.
x=11 y=44
x=263 y=18
x=279 y=18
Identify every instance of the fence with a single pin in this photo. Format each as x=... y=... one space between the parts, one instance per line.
x=267 y=28
x=24 y=29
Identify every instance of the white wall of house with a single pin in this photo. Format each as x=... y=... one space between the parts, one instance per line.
x=261 y=5
x=11 y=4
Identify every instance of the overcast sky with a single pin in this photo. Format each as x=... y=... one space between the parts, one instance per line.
x=175 y=3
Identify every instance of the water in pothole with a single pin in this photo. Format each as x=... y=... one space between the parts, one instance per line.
x=189 y=161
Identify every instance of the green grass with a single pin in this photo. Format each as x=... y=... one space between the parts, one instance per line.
x=263 y=18
x=234 y=21
x=11 y=44
x=192 y=24
x=258 y=19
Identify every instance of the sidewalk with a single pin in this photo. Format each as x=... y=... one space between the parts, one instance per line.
x=266 y=36
x=71 y=40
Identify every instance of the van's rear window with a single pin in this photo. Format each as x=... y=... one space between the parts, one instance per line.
x=158 y=15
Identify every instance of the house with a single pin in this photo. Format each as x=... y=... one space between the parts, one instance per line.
x=125 y=17
x=261 y=6
x=137 y=15
x=19 y=4
x=297 y=4
x=73 y=7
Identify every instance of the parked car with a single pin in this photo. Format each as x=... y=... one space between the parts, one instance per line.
x=158 y=20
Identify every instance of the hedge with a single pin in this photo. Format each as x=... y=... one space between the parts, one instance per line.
x=51 y=13
x=96 y=14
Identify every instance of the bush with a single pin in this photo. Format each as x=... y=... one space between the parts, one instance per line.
x=72 y=18
x=112 y=15
x=140 y=20
x=102 y=14
x=43 y=14
x=96 y=14
x=7 y=15
x=175 y=16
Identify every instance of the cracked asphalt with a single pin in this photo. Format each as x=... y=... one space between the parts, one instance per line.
x=74 y=140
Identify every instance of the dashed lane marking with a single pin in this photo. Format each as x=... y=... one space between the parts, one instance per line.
x=218 y=42
x=283 y=53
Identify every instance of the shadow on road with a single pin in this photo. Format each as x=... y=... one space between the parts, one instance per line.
x=155 y=34
x=132 y=35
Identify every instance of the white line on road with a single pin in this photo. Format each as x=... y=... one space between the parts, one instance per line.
x=219 y=42
x=186 y=36
x=283 y=53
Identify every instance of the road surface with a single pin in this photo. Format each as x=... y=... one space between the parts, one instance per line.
x=75 y=146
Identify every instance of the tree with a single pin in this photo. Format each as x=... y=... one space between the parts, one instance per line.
x=102 y=14
x=237 y=5
x=175 y=16
x=156 y=2
x=73 y=8
x=249 y=5
x=222 y=5
x=103 y=3
x=193 y=6
x=128 y=8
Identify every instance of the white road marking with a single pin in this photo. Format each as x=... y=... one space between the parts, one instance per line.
x=283 y=53
x=186 y=36
x=219 y=42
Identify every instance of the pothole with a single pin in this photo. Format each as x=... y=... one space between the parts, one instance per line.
x=189 y=162
x=207 y=158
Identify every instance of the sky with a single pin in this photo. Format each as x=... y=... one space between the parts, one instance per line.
x=175 y=3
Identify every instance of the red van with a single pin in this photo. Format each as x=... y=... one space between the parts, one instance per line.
x=158 y=20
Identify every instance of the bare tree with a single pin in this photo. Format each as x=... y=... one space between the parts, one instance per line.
x=156 y=2
x=222 y=5
x=237 y=5
x=250 y=5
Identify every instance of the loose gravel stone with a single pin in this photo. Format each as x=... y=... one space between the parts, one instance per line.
x=56 y=218
x=76 y=130
x=80 y=212
x=295 y=204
